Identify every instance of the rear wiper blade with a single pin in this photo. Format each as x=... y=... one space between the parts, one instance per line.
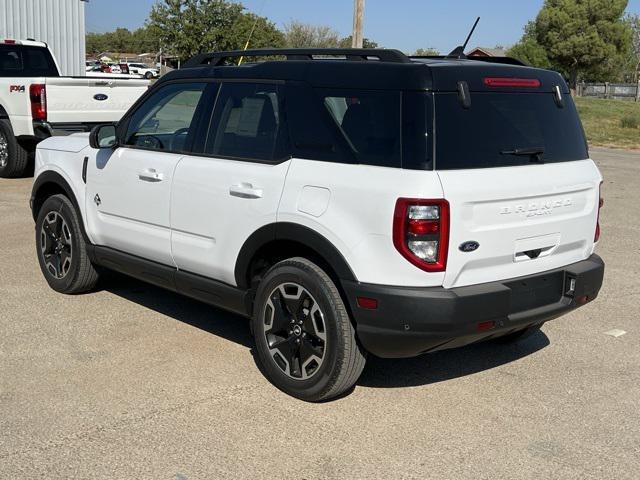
x=534 y=152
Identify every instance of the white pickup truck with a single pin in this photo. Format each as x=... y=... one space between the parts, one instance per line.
x=36 y=102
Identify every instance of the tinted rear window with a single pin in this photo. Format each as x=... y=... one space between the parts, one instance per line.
x=498 y=124
x=25 y=61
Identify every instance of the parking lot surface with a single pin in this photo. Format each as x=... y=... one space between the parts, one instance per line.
x=134 y=382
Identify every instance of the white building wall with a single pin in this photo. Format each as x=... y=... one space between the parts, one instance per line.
x=60 y=23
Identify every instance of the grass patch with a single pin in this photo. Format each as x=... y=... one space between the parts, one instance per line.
x=610 y=123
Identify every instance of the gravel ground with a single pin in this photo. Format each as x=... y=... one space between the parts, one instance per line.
x=134 y=382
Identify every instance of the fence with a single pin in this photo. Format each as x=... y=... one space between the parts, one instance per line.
x=620 y=91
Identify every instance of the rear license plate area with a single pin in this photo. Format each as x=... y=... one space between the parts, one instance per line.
x=533 y=292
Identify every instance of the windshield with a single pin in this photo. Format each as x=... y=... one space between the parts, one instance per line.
x=506 y=129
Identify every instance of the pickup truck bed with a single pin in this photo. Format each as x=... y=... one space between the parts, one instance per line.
x=36 y=102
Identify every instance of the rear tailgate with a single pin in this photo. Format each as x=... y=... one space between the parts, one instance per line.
x=514 y=167
x=516 y=213
x=91 y=100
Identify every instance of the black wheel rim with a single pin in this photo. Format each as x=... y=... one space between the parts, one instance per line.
x=4 y=150
x=56 y=245
x=294 y=328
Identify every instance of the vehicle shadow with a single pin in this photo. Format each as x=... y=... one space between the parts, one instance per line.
x=213 y=320
x=378 y=373
x=447 y=364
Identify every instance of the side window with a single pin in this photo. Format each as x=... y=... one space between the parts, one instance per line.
x=165 y=119
x=369 y=121
x=247 y=122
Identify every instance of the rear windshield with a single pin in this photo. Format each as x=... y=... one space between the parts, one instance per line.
x=26 y=61
x=506 y=129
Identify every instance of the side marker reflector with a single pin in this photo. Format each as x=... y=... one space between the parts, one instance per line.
x=367 y=303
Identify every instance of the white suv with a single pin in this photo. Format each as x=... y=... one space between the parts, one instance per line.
x=348 y=201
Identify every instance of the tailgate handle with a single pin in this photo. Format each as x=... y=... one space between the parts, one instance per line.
x=533 y=253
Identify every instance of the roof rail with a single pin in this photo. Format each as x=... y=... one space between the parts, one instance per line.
x=358 y=54
x=503 y=60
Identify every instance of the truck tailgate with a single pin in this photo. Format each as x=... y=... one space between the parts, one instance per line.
x=91 y=100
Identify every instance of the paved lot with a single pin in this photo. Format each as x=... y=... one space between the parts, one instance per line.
x=134 y=382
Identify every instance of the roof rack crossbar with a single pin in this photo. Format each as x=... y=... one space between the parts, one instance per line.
x=355 y=54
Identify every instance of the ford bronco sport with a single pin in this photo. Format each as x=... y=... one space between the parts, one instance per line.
x=347 y=201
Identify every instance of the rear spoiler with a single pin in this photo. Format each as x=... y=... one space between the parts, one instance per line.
x=502 y=60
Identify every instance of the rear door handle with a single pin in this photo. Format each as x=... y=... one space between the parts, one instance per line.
x=150 y=175
x=245 y=190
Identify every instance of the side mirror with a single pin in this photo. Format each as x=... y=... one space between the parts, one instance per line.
x=103 y=136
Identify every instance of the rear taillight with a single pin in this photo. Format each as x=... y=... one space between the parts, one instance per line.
x=497 y=82
x=10 y=42
x=421 y=232
x=600 y=204
x=38 y=96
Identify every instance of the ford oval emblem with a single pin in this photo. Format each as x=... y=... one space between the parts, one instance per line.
x=100 y=96
x=469 y=246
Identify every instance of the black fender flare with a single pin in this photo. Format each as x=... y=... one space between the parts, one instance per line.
x=53 y=178
x=296 y=233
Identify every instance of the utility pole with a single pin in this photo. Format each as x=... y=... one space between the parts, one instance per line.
x=358 y=14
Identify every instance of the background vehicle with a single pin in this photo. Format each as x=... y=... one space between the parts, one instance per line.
x=36 y=102
x=144 y=70
x=317 y=197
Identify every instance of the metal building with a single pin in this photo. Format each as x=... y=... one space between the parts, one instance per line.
x=60 y=23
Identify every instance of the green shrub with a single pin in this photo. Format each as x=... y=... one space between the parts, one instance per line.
x=630 y=121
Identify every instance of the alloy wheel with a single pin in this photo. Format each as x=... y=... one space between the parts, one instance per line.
x=56 y=245
x=295 y=331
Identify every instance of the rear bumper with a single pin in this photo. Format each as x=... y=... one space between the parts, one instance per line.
x=411 y=321
x=42 y=130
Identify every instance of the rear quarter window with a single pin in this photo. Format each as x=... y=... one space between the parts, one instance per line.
x=498 y=123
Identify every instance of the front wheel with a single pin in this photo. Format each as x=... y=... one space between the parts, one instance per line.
x=305 y=342
x=61 y=248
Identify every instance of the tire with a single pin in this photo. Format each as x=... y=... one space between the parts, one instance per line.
x=61 y=248
x=148 y=75
x=519 y=335
x=14 y=158
x=299 y=311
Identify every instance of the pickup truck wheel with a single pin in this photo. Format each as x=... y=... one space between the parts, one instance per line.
x=61 y=248
x=305 y=342
x=14 y=159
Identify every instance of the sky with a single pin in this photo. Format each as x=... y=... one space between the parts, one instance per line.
x=402 y=24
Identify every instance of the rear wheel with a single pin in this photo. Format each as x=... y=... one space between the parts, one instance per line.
x=305 y=342
x=14 y=159
x=61 y=249
x=519 y=335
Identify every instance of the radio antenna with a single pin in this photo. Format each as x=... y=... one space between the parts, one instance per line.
x=458 y=52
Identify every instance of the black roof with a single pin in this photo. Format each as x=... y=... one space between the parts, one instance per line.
x=376 y=69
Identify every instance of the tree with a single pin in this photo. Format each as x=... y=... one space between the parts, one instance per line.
x=583 y=36
x=304 y=35
x=634 y=25
x=121 y=40
x=426 y=52
x=188 y=27
x=528 y=50
x=346 y=42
